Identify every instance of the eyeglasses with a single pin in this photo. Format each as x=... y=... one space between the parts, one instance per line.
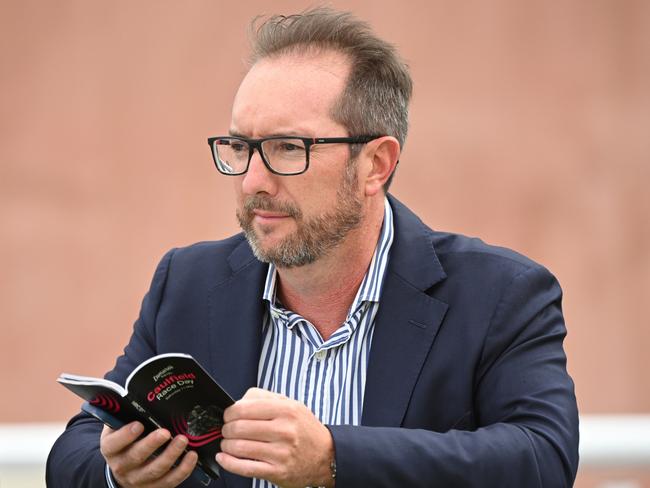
x=281 y=155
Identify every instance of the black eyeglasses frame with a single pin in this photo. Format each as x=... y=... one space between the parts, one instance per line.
x=307 y=141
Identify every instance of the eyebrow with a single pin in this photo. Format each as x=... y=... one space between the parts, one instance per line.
x=234 y=133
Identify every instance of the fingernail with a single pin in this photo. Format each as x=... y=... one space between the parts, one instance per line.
x=218 y=457
x=164 y=434
x=137 y=428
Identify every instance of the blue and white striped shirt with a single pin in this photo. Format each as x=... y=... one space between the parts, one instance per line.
x=327 y=376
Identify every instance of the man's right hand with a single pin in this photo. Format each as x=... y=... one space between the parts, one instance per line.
x=131 y=462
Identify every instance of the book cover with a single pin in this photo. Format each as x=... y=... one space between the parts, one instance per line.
x=171 y=391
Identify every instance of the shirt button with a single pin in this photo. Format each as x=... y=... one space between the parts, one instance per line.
x=320 y=355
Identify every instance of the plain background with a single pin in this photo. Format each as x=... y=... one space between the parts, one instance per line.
x=530 y=128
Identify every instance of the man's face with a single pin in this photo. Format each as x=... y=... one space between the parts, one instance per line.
x=294 y=220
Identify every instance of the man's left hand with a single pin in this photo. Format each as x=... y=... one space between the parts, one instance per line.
x=271 y=437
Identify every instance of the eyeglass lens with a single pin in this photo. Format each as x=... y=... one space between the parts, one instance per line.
x=285 y=156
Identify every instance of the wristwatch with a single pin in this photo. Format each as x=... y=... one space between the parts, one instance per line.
x=332 y=470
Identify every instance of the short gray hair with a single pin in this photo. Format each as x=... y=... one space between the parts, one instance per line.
x=376 y=98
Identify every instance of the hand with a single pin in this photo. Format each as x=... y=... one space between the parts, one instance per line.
x=131 y=462
x=271 y=437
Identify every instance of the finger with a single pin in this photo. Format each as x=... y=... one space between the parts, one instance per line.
x=181 y=472
x=144 y=448
x=244 y=467
x=256 y=393
x=161 y=465
x=259 y=409
x=137 y=455
x=254 y=430
x=115 y=441
x=259 y=451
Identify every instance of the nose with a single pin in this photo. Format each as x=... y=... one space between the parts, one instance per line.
x=258 y=178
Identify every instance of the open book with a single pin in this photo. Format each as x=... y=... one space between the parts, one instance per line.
x=171 y=391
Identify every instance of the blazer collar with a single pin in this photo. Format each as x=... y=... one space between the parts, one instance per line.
x=413 y=256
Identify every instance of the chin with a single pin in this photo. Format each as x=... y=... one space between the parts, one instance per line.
x=268 y=243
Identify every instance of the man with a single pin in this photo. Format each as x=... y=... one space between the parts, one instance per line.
x=370 y=350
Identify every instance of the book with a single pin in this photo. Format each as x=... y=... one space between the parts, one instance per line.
x=170 y=391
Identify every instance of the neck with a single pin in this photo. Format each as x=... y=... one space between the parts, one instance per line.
x=322 y=292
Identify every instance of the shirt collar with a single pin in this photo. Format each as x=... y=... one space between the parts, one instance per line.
x=370 y=289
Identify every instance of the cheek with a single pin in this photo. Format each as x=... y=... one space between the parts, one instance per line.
x=319 y=197
x=326 y=172
x=237 y=187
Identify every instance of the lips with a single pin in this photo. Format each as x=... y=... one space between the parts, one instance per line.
x=267 y=214
x=263 y=210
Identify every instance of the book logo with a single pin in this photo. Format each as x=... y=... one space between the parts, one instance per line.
x=170 y=385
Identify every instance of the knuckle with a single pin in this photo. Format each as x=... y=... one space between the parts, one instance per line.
x=105 y=448
x=249 y=472
x=118 y=469
x=178 y=446
x=235 y=445
x=231 y=413
x=227 y=429
x=293 y=410
x=238 y=430
x=287 y=431
x=225 y=445
x=253 y=391
x=160 y=466
x=282 y=473
x=105 y=452
x=243 y=409
x=183 y=470
x=138 y=457
x=157 y=470
x=284 y=453
x=170 y=483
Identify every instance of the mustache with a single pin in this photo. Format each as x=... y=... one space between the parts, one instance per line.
x=260 y=202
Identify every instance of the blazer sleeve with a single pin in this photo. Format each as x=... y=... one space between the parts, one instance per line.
x=527 y=419
x=75 y=459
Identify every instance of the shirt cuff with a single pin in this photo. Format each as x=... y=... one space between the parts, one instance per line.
x=110 y=482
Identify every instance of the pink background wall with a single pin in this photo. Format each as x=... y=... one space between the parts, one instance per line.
x=530 y=128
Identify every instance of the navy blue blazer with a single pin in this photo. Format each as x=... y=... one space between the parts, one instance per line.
x=466 y=385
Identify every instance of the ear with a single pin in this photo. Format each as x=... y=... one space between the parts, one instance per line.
x=382 y=155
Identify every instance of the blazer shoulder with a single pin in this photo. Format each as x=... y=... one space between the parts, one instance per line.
x=429 y=257
x=460 y=252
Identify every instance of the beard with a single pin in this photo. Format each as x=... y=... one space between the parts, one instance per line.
x=315 y=236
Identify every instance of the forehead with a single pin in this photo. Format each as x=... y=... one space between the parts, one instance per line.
x=289 y=92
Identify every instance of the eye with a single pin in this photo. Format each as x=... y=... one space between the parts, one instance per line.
x=237 y=146
x=287 y=146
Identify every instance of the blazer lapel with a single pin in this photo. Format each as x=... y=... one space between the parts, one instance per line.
x=236 y=311
x=407 y=321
